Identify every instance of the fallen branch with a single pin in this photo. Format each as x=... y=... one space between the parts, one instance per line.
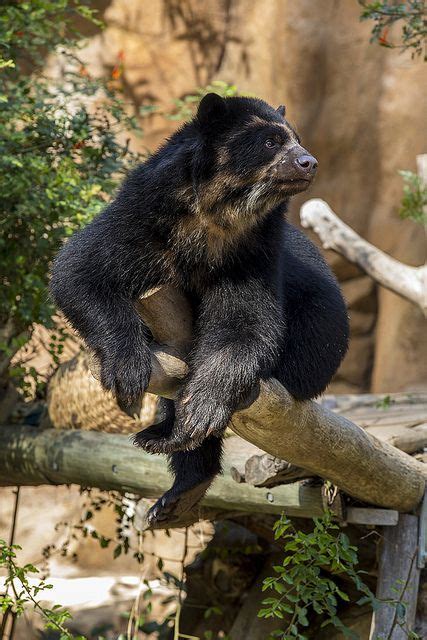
x=31 y=456
x=401 y=422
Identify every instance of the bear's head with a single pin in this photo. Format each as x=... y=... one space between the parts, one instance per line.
x=247 y=155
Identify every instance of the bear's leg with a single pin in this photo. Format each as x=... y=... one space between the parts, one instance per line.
x=152 y=438
x=194 y=472
x=239 y=330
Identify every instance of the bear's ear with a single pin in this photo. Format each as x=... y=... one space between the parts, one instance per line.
x=281 y=110
x=211 y=107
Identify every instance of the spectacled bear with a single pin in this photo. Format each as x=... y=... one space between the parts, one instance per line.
x=206 y=213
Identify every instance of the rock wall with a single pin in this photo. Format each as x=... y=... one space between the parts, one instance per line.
x=359 y=110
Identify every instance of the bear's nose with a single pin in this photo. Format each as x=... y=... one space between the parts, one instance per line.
x=307 y=163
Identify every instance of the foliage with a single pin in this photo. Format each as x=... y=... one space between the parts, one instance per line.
x=19 y=581
x=185 y=107
x=60 y=151
x=94 y=501
x=307 y=582
x=414 y=201
x=300 y=584
x=385 y=13
x=384 y=403
x=129 y=540
x=301 y=587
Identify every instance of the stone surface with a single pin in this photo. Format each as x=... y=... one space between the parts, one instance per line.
x=357 y=106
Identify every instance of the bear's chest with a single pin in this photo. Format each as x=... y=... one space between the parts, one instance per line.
x=199 y=251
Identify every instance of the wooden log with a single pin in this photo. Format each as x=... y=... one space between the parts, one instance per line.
x=412 y=440
x=398 y=581
x=303 y=433
x=31 y=456
x=398 y=420
x=372 y=517
x=332 y=447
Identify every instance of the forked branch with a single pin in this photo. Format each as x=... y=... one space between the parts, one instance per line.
x=409 y=282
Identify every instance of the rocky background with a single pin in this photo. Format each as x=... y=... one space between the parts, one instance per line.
x=358 y=106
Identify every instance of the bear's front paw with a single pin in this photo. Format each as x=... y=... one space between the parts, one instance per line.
x=127 y=375
x=199 y=416
x=154 y=439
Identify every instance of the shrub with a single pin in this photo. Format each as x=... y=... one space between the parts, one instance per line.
x=60 y=152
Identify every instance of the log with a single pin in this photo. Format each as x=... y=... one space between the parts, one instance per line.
x=332 y=447
x=303 y=433
x=398 y=420
x=398 y=581
x=33 y=456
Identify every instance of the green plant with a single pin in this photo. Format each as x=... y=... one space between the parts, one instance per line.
x=385 y=13
x=25 y=593
x=308 y=580
x=60 y=152
x=414 y=201
x=185 y=107
x=384 y=403
x=301 y=586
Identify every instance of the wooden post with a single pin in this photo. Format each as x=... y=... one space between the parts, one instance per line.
x=398 y=580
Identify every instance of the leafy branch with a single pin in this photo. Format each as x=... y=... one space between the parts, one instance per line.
x=386 y=13
x=307 y=583
x=301 y=587
x=18 y=580
x=61 y=152
x=414 y=201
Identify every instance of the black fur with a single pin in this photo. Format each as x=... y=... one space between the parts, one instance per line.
x=206 y=213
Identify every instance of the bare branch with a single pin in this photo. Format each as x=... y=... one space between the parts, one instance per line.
x=409 y=282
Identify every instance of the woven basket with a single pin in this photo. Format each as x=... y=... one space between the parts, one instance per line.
x=76 y=400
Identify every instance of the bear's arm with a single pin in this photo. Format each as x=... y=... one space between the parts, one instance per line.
x=237 y=342
x=95 y=280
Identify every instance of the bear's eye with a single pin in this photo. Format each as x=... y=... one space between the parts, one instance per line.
x=270 y=143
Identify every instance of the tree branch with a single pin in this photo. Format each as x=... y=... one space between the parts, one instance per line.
x=33 y=456
x=409 y=282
